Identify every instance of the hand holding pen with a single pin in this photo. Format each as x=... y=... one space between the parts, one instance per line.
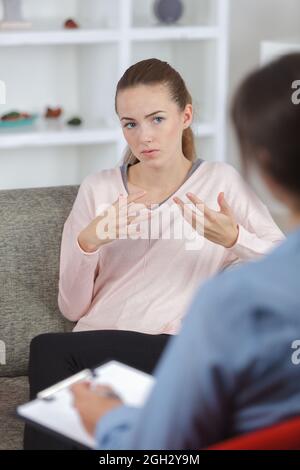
x=92 y=402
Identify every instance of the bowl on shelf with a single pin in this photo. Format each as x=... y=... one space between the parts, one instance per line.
x=16 y=119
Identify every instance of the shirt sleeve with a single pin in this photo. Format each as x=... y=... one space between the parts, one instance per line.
x=258 y=233
x=78 y=269
x=189 y=405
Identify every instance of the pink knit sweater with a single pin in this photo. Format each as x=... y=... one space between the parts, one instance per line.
x=146 y=285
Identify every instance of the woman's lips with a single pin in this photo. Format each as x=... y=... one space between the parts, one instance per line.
x=149 y=152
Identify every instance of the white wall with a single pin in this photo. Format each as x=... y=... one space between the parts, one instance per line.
x=252 y=21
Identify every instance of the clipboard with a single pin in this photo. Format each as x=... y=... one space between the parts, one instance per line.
x=53 y=409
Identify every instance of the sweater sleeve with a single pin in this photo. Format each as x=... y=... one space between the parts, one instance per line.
x=78 y=269
x=258 y=233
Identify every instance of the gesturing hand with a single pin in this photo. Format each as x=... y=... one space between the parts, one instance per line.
x=112 y=222
x=218 y=227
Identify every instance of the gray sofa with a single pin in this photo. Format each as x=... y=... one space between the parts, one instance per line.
x=31 y=223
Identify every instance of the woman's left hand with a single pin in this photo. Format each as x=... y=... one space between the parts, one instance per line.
x=218 y=227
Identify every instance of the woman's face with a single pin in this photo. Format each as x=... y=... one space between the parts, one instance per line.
x=151 y=120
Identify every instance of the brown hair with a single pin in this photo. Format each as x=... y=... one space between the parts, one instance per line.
x=155 y=71
x=267 y=121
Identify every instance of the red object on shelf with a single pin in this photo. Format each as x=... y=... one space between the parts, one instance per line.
x=53 y=112
x=70 y=24
x=281 y=436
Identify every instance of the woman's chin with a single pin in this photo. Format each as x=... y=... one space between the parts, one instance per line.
x=150 y=160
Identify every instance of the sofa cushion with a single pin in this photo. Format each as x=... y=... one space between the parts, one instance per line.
x=13 y=392
x=30 y=234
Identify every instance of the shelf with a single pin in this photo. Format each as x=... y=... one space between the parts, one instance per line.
x=80 y=36
x=173 y=33
x=66 y=136
x=90 y=36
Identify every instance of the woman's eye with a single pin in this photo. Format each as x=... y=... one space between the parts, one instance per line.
x=129 y=124
x=132 y=124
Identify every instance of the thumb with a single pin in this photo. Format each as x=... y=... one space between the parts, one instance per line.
x=224 y=206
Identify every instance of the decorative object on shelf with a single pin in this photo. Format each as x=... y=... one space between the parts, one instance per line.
x=70 y=24
x=168 y=11
x=16 y=119
x=75 y=121
x=13 y=18
x=53 y=113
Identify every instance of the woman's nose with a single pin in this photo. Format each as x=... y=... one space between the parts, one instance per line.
x=146 y=134
x=146 y=138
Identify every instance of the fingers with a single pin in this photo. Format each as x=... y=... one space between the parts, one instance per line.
x=105 y=391
x=201 y=206
x=80 y=390
x=224 y=206
x=137 y=212
x=129 y=212
x=195 y=219
x=179 y=202
x=81 y=386
x=185 y=208
x=197 y=202
x=83 y=389
x=194 y=199
x=102 y=388
x=85 y=392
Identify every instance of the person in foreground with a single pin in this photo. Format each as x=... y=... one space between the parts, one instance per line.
x=231 y=369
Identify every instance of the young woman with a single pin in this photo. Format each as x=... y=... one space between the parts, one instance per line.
x=128 y=295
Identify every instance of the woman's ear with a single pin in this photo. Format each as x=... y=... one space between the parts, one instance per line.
x=187 y=116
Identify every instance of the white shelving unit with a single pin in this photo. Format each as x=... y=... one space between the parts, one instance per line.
x=79 y=70
x=48 y=37
x=55 y=138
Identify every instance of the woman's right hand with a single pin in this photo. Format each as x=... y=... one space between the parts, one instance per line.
x=94 y=236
